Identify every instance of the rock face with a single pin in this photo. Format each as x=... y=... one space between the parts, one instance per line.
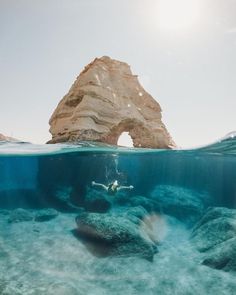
x=104 y=101
x=6 y=138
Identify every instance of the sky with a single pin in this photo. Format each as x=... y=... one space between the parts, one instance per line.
x=184 y=52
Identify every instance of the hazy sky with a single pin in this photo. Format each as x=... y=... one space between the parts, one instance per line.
x=184 y=54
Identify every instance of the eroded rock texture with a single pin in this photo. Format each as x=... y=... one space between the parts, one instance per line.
x=104 y=101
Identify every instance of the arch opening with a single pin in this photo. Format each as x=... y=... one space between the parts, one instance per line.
x=125 y=140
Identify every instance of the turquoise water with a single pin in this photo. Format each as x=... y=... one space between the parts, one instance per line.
x=174 y=188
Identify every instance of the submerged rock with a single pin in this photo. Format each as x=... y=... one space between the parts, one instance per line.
x=215 y=227
x=139 y=212
x=45 y=215
x=215 y=235
x=180 y=202
x=96 y=202
x=140 y=216
x=148 y=204
x=20 y=215
x=214 y=213
x=118 y=235
x=104 y=101
x=61 y=200
x=222 y=256
x=59 y=196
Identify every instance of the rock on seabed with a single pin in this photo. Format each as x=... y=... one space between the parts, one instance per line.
x=120 y=235
x=215 y=236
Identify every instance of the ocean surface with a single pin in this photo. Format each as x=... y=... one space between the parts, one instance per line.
x=61 y=234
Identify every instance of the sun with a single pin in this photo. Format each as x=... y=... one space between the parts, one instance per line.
x=178 y=14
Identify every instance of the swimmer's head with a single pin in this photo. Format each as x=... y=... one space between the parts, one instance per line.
x=115 y=183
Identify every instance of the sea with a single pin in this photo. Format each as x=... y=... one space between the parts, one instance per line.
x=176 y=188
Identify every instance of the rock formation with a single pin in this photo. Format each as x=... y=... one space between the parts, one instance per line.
x=118 y=234
x=6 y=138
x=104 y=101
x=215 y=236
x=184 y=204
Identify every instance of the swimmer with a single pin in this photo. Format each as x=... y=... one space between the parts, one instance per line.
x=112 y=187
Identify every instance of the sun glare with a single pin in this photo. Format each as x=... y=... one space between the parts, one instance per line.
x=178 y=14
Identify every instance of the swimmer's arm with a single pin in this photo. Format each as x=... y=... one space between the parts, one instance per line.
x=125 y=187
x=100 y=185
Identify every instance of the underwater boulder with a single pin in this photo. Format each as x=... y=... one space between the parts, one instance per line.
x=46 y=215
x=95 y=201
x=215 y=227
x=139 y=212
x=148 y=204
x=215 y=235
x=99 y=205
x=137 y=215
x=20 y=215
x=182 y=203
x=61 y=200
x=142 y=218
x=222 y=256
x=117 y=234
x=214 y=213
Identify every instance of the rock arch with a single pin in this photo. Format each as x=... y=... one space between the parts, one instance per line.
x=125 y=140
x=141 y=136
x=104 y=101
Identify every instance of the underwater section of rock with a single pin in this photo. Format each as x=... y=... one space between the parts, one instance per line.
x=182 y=203
x=113 y=234
x=106 y=100
x=215 y=236
x=22 y=215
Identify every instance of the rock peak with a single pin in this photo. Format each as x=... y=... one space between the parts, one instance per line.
x=105 y=100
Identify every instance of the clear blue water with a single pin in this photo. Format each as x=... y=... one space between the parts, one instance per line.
x=35 y=177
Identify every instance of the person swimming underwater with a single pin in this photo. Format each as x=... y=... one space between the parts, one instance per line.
x=112 y=187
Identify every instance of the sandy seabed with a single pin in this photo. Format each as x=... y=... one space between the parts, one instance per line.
x=46 y=258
